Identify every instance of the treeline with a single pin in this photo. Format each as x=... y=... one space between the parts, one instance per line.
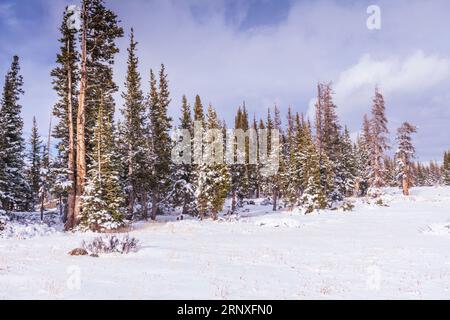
x=105 y=171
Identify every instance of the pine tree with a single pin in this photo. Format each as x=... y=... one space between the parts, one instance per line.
x=292 y=179
x=13 y=183
x=239 y=161
x=99 y=32
x=379 y=143
x=34 y=158
x=390 y=174
x=328 y=139
x=102 y=204
x=65 y=82
x=446 y=169
x=348 y=160
x=362 y=150
x=314 y=196
x=184 y=172
x=135 y=134
x=160 y=139
x=404 y=155
x=214 y=179
x=45 y=176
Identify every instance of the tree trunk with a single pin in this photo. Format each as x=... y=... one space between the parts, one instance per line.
x=233 y=201
x=275 y=198
x=405 y=181
x=132 y=195
x=81 y=122
x=71 y=162
x=144 y=205
x=154 y=205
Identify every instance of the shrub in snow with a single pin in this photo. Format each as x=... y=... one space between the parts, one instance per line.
x=3 y=219
x=347 y=206
x=111 y=244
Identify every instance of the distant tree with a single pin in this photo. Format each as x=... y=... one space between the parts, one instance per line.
x=378 y=143
x=34 y=159
x=404 y=155
x=446 y=168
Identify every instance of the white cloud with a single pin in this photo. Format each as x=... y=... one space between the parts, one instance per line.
x=413 y=74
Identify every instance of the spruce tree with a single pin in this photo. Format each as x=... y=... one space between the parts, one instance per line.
x=13 y=183
x=34 y=159
x=65 y=82
x=362 y=150
x=314 y=195
x=102 y=204
x=404 y=155
x=99 y=31
x=161 y=141
x=134 y=133
x=214 y=179
x=292 y=179
x=347 y=165
x=184 y=172
x=239 y=161
x=378 y=143
x=446 y=169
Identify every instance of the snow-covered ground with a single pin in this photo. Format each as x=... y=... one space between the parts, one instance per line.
x=401 y=250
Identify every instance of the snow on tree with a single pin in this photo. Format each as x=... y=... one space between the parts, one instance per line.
x=404 y=155
x=214 y=180
x=160 y=124
x=313 y=196
x=34 y=159
x=348 y=160
x=184 y=174
x=13 y=183
x=239 y=162
x=65 y=78
x=328 y=138
x=446 y=169
x=135 y=134
x=378 y=144
x=99 y=31
x=102 y=204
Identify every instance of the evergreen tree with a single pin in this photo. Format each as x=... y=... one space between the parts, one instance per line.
x=239 y=161
x=45 y=176
x=160 y=139
x=379 y=143
x=390 y=174
x=446 y=168
x=292 y=178
x=102 y=205
x=328 y=144
x=65 y=82
x=99 y=32
x=135 y=134
x=314 y=196
x=13 y=183
x=348 y=161
x=214 y=178
x=184 y=172
x=34 y=158
x=404 y=155
x=363 y=159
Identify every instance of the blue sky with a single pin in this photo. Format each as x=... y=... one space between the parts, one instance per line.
x=264 y=52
